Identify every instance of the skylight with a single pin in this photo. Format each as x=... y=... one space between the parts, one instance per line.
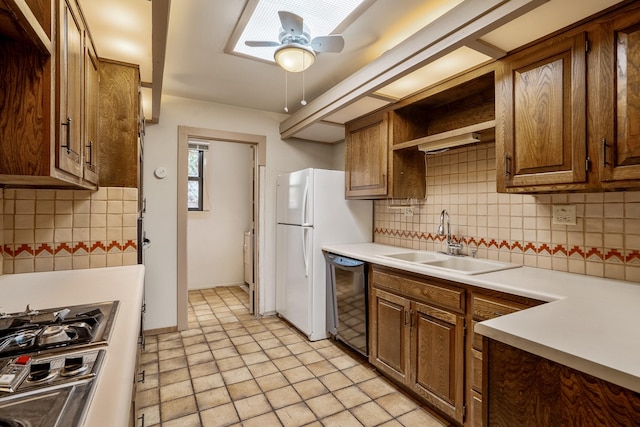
x=322 y=17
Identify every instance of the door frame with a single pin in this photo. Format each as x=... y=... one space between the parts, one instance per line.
x=184 y=134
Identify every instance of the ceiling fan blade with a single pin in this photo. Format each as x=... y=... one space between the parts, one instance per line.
x=291 y=23
x=331 y=43
x=251 y=43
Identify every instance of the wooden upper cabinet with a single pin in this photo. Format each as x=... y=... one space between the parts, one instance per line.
x=90 y=142
x=42 y=130
x=366 y=157
x=119 y=124
x=70 y=74
x=618 y=141
x=541 y=116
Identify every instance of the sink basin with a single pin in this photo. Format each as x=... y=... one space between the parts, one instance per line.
x=419 y=257
x=470 y=265
x=456 y=264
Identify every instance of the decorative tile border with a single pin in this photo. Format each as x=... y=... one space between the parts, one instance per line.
x=80 y=248
x=61 y=229
x=589 y=254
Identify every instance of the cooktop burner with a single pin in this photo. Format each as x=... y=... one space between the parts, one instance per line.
x=48 y=390
x=33 y=331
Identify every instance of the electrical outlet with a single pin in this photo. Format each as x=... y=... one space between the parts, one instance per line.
x=564 y=214
x=408 y=211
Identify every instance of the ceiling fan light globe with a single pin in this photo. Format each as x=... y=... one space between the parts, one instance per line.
x=294 y=57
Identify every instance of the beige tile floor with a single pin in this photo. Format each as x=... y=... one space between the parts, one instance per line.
x=232 y=369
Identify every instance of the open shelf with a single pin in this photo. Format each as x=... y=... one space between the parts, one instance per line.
x=486 y=130
x=28 y=21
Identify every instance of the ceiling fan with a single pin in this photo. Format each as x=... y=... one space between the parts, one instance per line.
x=296 y=49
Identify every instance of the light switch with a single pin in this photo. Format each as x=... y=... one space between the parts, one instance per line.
x=564 y=214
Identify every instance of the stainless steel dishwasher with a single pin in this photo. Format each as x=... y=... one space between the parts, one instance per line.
x=347 y=301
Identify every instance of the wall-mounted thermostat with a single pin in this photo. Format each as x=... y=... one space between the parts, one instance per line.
x=160 y=172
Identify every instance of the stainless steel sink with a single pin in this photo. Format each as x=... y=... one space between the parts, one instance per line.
x=466 y=265
x=456 y=264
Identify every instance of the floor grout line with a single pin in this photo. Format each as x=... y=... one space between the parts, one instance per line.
x=293 y=382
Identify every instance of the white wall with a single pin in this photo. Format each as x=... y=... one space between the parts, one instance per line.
x=160 y=223
x=215 y=236
x=338 y=156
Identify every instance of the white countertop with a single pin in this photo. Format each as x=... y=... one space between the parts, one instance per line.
x=111 y=401
x=589 y=323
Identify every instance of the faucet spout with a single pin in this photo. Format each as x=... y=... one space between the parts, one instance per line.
x=453 y=248
x=441 y=227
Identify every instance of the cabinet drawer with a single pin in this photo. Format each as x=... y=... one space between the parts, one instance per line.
x=485 y=309
x=423 y=291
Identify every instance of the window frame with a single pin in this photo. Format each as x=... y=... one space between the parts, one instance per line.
x=199 y=179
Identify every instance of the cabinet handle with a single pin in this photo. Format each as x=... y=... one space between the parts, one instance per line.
x=141 y=375
x=604 y=152
x=507 y=168
x=411 y=318
x=68 y=144
x=141 y=418
x=90 y=147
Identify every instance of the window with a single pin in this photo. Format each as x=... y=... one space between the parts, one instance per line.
x=195 y=190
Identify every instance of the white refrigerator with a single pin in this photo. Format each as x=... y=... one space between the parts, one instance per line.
x=311 y=212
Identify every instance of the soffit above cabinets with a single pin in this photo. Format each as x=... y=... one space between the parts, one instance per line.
x=456 y=62
x=358 y=109
x=330 y=133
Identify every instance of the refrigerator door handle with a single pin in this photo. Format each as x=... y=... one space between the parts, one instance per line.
x=305 y=202
x=305 y=252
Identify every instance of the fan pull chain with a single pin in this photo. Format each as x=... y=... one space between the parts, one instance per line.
x=286 y=91
x=304 y=101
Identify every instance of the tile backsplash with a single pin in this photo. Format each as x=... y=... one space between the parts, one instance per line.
x=605 y=242
x=46 y=230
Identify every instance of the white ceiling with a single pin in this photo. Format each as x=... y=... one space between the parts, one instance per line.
x=197 y=66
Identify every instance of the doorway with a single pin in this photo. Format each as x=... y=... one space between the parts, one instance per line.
x=258 y=142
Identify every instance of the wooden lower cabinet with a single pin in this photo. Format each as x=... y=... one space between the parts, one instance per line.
x=418 y=342
x=390 y=337
x=484 y=305
x=437 y=353
x=421 y=336
x=527 y=390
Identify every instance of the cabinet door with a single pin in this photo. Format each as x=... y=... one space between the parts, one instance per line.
x=366 y=157
x=389 y=334
x=437 y=352
x=70 y=54
x=119 y=157
x=541 y=115
x=619 y=148
x=91 y=121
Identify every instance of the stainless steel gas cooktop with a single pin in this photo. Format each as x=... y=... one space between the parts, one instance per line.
x=32 y=331
x=49 y=361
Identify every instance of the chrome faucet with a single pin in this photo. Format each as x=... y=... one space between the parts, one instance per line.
x=453 y=248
